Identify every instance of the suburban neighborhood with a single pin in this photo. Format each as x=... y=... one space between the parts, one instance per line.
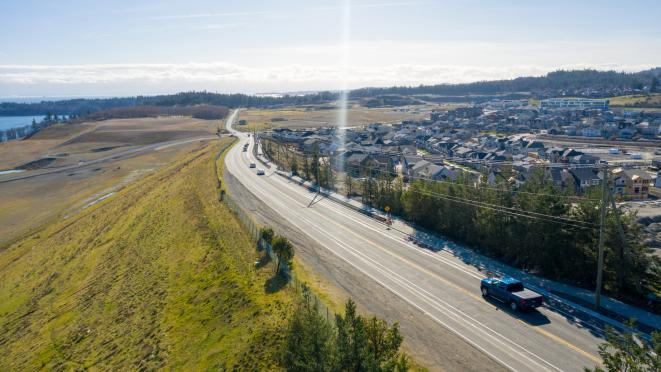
x=484 y=143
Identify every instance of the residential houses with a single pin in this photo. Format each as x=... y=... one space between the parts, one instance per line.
x=471 y=138
x=632 y=184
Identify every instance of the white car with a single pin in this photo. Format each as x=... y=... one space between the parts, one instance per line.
x=260 y=172
x=253 y=165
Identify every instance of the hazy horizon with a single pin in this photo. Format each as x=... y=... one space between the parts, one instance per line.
x=143 y=48
x=38 y=98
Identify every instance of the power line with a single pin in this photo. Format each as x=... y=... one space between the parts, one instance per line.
x=512 y=212
x=499 y=208
x=549 y=165
x=504 y=209
x=574 y=197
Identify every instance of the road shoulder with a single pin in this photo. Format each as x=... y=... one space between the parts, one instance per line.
x=429 y=343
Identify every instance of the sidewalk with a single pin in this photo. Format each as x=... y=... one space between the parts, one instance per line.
x=564 y=298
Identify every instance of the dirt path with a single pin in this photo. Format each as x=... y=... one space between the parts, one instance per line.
x=429 y=343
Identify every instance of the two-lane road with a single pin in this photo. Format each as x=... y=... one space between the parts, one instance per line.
x=441 y=286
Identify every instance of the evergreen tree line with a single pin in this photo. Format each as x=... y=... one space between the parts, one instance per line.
x=626 y=352
x=207 y=112
x=556 y=81
x=539 y=227
x=87 y=106
x=552 y=82
x=315 y=168
x=351 y=343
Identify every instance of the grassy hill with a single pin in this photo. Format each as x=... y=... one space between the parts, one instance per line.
x=161 y=275
x=652 y=100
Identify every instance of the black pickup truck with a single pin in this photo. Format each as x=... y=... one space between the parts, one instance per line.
x=511 y=292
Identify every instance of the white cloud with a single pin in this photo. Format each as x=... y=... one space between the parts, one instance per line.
x=253 y=79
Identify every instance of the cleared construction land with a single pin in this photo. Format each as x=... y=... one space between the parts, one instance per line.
x=68 y=152
x=71 y=143
x=301 y=117
x=158 y=275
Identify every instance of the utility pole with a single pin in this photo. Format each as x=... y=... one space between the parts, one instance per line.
x=318 y=186
x=624 y=249
x=318 y=178
x=600 y=256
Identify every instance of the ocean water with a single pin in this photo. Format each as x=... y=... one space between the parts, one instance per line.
x=7 y=122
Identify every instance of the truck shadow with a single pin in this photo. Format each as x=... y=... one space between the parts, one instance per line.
x=531 y=317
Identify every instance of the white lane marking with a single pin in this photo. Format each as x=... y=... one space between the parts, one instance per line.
x=335 y=207
x=346 y=213
x=430 y=299
x=411 y=302
x=437 y=303
x=294 y=189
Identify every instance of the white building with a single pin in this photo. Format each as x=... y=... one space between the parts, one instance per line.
x=574 y=103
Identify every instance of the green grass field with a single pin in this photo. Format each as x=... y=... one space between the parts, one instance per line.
x=161 y=275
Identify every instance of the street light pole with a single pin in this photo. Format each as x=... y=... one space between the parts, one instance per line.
x=600 y=255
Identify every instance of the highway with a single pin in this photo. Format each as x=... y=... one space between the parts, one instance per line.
x=438 y=284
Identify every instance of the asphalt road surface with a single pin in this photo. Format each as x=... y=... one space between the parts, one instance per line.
x=438 y=284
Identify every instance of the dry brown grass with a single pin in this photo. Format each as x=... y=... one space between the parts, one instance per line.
x=74 y=142
x=259 y=119
x=635 y=100
x=29 y=203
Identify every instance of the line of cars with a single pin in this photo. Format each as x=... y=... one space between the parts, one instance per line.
x=260 y=171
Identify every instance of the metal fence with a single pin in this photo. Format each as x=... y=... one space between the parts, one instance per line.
x=299 y=286
x=304 y=291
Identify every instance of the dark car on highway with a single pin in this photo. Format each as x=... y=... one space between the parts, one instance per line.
x=511 y=292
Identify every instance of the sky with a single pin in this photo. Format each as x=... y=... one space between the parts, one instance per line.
x=108 y=48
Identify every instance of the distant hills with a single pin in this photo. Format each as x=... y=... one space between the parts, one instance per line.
x=587 y=83
x=578 y=82
x=82 y=107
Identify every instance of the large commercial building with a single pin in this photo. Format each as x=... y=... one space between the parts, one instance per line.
x=574 y=103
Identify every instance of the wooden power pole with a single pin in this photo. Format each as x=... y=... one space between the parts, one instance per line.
x=600 y=255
